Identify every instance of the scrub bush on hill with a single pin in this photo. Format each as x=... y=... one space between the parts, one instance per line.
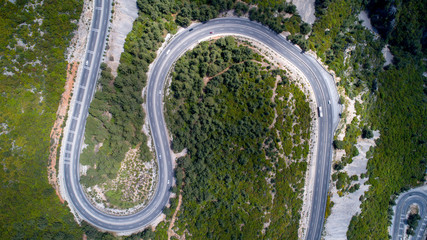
x=346 y=46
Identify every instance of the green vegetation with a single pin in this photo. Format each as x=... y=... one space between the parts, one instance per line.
x=348 y=144
x=367 y=133
x=222 y=109
x=346 y=46
x=343 y=182
x=329 y=205
x=274 y=17
x=33 y=43
x=116 y=115
x=399 y=158
x=402 y=23
x=394 y=102
x=412 y=221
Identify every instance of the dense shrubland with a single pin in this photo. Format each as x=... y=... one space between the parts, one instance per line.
x=33 y=74
x=398 y=161
x=220 y=108
x=115 y=117
x=395 y=105
x=33 y=43
x=394 y=97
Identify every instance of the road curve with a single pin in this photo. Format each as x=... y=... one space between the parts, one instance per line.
x=415 y=196
x=320 y=80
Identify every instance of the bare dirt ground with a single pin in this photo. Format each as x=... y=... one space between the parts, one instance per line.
x=363 y=15
x=56 y=133
x=305 y=9
x=125 y=13
x=136 y=181
x=349 y=112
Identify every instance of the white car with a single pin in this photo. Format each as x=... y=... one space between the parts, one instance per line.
x=87 y=63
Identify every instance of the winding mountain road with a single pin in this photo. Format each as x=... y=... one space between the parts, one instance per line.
x=416 y=196
x=321 y=82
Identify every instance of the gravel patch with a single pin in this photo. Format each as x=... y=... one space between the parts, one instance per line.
x=363 y=15
x=387 y=55
x=125 y=13
x=305 y=9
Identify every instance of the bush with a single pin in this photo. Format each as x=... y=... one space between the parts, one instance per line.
x=338 y=166
x=367 y=133
x=413 y=220
x=183 y=21
x=410 y=231
x=338 y=144
x=305 y=28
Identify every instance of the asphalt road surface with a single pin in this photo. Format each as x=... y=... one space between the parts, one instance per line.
x=416 y=196
x=320 y=80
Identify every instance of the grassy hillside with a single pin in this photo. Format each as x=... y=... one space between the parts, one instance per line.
x=33 y=41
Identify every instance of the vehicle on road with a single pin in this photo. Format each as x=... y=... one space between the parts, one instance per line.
x=190 y=30
x=87 y=63
x=210 y=32
x=320 y=112
x=329 y=102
